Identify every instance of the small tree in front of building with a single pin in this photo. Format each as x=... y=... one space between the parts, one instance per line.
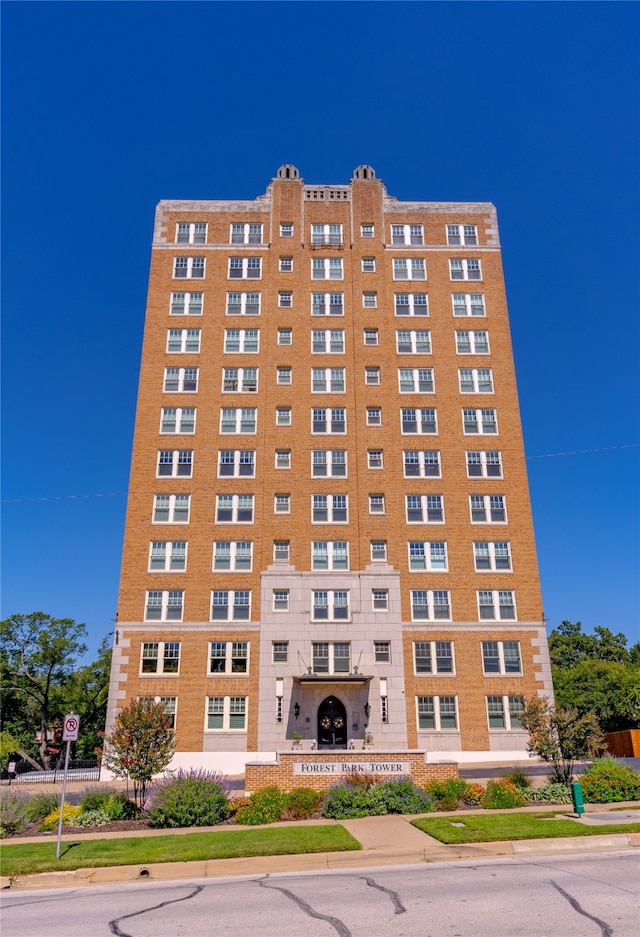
x=140 y=746
x=560 y=737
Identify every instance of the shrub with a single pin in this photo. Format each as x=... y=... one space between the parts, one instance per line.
x=502 y=795
x=473 y=795
x=188 y=798
x=14 y=811
x=403 y=796
x=91 y=818
x=120 y=807
x=300 y=804
x=52 y=819
x=554 y=793
x=345 y=801
x=40 y=805
x=264 y=806
x=96 y=798
x=518 y=777
x=608 y=781
x=447 y=794
x=356 y=779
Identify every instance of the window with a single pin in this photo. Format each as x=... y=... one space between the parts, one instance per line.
x=227 y=712
x=465 y=269
x=433 y=657
x=246 y=234
x=378 y=551
x=407 y=234
x=415 y=380
x=368 y=265
x=488 y=509
x=236 y=462
x=411 y=304
x=178 y=420
x=384 y=708
x=326 y=268
x=228 y=657
x=505 y=712
x=437 y=712
x=423 y=422
x=243 y=304
x=245 y=268
x=370 y=300
x=330 y=605
x=330 y=554
x=186 y=304
x=462 y=234
x=234 y=509
x=279 y=651
x=327 y=304
x=166 y=555
x=409 y=268
x=372 y=376
x=281 y=551
x=232 y=555
x=230 y=605
x=494 y=556
x=171 y=509
x=189 y=268
x=327 y=341
x=501 y=657
x=283 y=416
x=239 y=380
x=472 y=342
x=283 y=375
x=285 y=336
x=285 y=299
x=285 y=264
x=160 y=657
x=327 y=380
x=425 y=509
x=282 y=504
x=413 y=343
x=482 y=422
x=170 y=704
x=175 y=463
x=164 y=605
x=286 y=230
x=370 y=336
x=238 y=419
x=475 y=380
x=375 y=459
x=421 y=464
x=374 y=416
x=484 y=464
x=380 y=600
x=468 y=304
x=246 y=341
x=376 y=504
x=183 y=340
x=427 y=557
x=281 y=604
x=496 y=605
x=331 y=657
x=329 y=420
x=180 y=380
x=329 y=509
x=367 y=230
x=326 y=234
x=382 y=652
x=191 y=233
x=329 y=463
x=283 y=459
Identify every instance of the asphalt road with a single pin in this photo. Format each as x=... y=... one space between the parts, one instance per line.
x=583 y=895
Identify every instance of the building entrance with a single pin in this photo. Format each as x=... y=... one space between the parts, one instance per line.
x=332 y=724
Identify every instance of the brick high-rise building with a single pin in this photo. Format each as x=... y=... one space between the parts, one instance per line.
x=328 y=528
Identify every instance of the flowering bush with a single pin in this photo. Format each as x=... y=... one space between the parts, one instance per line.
x=502 y=795
x=188 y=798
x=608 y=781
x=69 y=814
x=14 y=811
x=473 y=795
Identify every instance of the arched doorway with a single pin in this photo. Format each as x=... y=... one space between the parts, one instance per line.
x=332 y=724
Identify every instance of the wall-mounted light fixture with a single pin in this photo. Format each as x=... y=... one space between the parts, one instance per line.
x=367 y=710
x=296 y=709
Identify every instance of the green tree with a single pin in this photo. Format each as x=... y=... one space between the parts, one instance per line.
x=560 y=737
x=8 y=747
x=86 y=694
x=140 y=746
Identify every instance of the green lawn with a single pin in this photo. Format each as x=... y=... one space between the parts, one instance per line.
x=227 y=844
x=487 y=828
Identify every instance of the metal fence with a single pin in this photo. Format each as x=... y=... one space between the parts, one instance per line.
x=80 y=769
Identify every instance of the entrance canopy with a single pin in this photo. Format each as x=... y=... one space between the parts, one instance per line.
x=354 y=678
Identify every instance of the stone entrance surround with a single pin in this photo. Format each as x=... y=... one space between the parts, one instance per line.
x=319 y=770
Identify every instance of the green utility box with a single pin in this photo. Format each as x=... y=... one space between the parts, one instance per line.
x=577 y=797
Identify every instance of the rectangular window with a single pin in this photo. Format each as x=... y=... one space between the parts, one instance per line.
x=480 y=422
x=183 y=341
x=285 y=264
x=280 y=652
x=186 y=304
x=427 y=556
x=164 y=605
x=501 y=657
x=465 y=269
x=497 y=605
x=188 y=268
x=327 y=341
x=413 y=342
x=375 y=459
x=326 y=234
x=407 y=234
x=416 y=381
x=241 y=341
x=329 y=554
x=370 y=300
x=438 y=713
x=382 y=652
x=243 y=304
x=234 y=509
x=372 y=376
x=171 y=509
x=368 y=265
x=328 y=380
x=175 y=463
x=231 y=555
x=468 y=304
x=472 y=342
x=238 y=420
x=177 y=420
x=285 y=299
x=331 y=657
x=167 y=555
x=475 y=380
x=409 y=268
x=328 y=420
x=376 y=504
x=367 y=230
x=285 y=337
x=284 y=375
x=378 y=551
x=370 y=336
x=505 y=712
x=328 y=463
x=245 y=268
x=330 y=605
x=430 y=605
x=283 y=459
x=246 y=234
x=239 y=380
x=228 y=657
x=191 y=233
x=326 y=268
x=160 y=657
x=411 y=304
x=236 y=463
x=286 y=230
x=380 y=600
x=494 y=556
x=227 y=713
x=484 y=464
x=327 y=304
x=282 y=504
x=421 y=421
x=421 y=464
x=281 y=600
x=283 y=416
x=229 y=605
x=433 y=657
x=488 y=509
x=281 y=551
x=180 y=380
x=329 y=509
x=458 y=234
x=374 y=416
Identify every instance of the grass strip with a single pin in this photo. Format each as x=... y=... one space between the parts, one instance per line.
x=227 y=844
x=489 y=828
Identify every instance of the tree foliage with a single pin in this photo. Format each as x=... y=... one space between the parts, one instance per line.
x=141 y=744
x=560 y=737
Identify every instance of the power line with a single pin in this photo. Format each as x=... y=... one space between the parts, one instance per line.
x=553 y=455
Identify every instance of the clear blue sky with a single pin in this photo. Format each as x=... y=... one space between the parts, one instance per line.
x=109 y=107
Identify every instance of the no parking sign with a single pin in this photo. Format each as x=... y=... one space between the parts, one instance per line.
x=71 y=728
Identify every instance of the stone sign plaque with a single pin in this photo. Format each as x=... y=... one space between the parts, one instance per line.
x=337 y=768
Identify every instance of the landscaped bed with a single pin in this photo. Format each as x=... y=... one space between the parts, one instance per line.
x=494 y=827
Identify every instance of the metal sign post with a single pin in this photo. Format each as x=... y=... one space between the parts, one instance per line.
x=69 y=735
